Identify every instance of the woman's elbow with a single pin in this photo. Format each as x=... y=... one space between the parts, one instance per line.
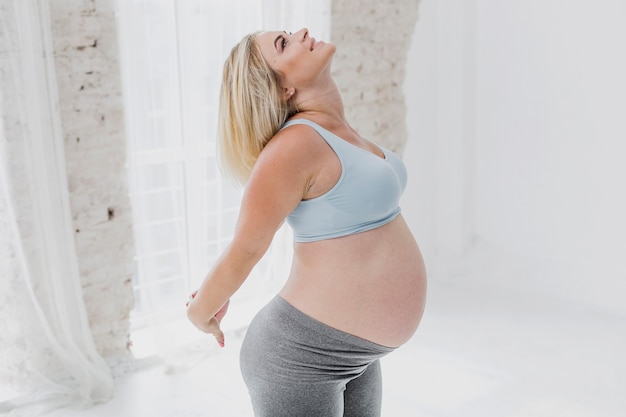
x=195 y=316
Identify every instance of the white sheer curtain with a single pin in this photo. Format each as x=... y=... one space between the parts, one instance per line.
x=48 y=357
x=184 y=214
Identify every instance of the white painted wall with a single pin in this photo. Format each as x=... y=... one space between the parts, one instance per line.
x=440 y=101
x=516 y=141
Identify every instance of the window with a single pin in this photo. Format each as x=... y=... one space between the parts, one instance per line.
x=183 y=212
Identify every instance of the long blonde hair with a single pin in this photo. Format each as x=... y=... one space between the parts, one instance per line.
x=252 y=109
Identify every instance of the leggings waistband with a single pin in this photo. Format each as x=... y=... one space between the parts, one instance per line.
x=288 y=311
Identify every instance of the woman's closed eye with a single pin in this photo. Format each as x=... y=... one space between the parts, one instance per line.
x=283 y=40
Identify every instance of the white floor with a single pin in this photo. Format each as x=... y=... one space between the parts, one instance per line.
x=479 y=352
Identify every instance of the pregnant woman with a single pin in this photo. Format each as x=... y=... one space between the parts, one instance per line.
x=357 y=285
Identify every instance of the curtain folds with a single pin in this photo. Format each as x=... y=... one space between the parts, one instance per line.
x=48 y=355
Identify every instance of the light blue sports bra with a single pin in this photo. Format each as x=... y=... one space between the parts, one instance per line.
x=365 y=197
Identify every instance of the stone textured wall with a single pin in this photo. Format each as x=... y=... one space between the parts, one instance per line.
x=372 y=39
x=90 y=93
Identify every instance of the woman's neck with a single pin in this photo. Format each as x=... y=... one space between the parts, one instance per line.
x=323 y=103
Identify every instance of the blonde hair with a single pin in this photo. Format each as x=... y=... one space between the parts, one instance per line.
x=252 y=109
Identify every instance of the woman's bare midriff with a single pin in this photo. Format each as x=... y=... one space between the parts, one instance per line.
x=371 y=284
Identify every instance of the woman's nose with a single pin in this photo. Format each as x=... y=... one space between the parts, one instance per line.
x=302 y=34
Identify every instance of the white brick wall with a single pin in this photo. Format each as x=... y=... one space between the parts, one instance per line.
x=373 y=38
x=89 y=82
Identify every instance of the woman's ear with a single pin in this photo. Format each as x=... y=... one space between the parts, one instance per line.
x=289 y=92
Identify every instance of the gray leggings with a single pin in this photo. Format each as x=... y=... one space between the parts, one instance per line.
x=296 y=366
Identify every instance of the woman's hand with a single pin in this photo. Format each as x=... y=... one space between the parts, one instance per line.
x=213 y=325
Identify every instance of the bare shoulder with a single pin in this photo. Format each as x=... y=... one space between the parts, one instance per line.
x=296 y=150
x=296 y=141
x=287 y=164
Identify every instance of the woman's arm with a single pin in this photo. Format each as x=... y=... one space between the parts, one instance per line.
x=277 y=184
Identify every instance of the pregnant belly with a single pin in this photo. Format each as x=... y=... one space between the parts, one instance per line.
x=372 y=286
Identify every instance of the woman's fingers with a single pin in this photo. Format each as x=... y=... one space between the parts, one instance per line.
x=191 y=297
x=213 y=325
x=220 y=338
x=216 y=331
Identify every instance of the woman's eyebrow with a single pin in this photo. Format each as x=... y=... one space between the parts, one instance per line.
x=278 y=37
x=276 y=40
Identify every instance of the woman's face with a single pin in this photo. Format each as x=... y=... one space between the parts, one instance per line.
x=299 y=58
